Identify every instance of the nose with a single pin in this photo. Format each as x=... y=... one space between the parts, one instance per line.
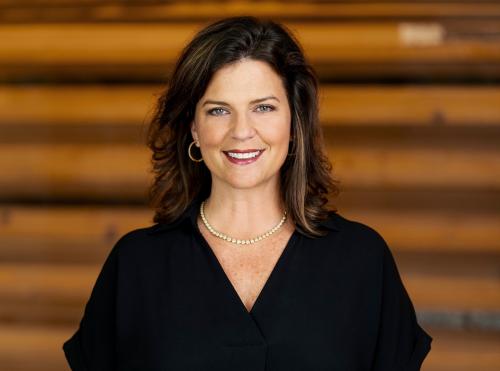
x=242 y=127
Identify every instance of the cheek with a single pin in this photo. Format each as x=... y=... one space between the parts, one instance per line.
x=212 y=136
x=277 y=131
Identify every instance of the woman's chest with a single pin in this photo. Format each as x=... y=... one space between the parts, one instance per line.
x=248 y=267
x=312 y=311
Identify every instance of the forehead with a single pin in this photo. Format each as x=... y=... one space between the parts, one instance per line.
x=245 y=78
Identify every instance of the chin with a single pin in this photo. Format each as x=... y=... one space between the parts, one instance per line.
x=244 y=183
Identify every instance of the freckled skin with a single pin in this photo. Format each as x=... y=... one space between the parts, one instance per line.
x=249 y=267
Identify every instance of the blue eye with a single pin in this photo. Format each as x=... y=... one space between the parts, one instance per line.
x=216 y=111
x=267 y=108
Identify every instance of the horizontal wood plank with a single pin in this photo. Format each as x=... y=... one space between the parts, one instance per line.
x=340 y=105
x=393 y=168
x=118 y=44
x=65 y=233
x=64 y=105
x=33 y=347
x=344 y=105
x=429 y=231
x=463 y=351
x=118 y=48
x=121 y=171
x=50 y=10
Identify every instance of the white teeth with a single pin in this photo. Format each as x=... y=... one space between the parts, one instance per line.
x=243 y=155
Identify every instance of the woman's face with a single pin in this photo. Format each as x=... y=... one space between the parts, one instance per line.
x=244 y=108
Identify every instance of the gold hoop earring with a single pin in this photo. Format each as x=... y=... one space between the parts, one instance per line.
x=189 y=153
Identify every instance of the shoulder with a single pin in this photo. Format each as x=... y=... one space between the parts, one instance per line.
x=357 y=236
x=144 y=240
x=134 y=236
x=357 y=230
x=149 y=233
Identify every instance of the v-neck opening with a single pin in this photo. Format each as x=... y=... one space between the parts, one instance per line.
x=276 y=268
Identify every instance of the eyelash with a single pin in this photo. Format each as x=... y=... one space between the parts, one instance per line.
x=271 y=108
x=267 y=106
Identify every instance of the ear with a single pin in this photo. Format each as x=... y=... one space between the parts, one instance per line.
x=194 y=133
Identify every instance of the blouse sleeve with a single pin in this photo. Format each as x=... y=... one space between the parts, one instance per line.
x=92 y=346
x=402 y=344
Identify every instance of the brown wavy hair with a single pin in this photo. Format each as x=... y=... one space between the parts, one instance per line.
x=305 y=177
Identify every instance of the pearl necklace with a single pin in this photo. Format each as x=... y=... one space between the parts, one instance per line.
x=234 y=240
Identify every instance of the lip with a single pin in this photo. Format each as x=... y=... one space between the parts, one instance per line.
x=243 y=161
x=243 y=150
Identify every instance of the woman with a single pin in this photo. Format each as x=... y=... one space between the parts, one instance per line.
x=245 y=268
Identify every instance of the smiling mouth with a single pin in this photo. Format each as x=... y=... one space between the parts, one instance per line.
x=243 y=157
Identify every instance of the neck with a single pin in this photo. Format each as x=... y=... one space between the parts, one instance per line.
x=243 y=213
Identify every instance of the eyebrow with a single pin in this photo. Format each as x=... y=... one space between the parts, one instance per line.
x=252 y=102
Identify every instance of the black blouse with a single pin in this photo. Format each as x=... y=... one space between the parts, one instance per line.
x=163 y=302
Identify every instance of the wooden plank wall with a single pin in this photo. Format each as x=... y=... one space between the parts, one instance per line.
x=410 y=112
